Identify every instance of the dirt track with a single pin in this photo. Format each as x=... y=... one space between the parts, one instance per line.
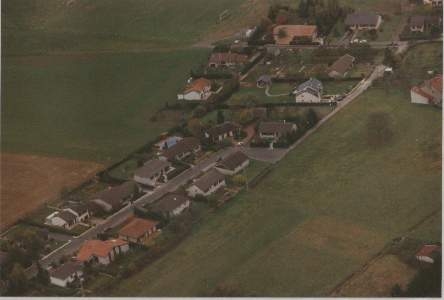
x=27 y=181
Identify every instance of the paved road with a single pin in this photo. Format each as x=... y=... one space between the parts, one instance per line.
x=123 y=214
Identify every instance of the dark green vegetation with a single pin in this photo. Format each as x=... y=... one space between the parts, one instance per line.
x=297 y=235
x=93 y=107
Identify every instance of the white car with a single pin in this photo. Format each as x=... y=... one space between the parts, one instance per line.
x=363 y=42
x=355 y=41
x=240 y=143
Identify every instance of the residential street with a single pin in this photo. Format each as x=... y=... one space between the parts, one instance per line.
x=120 y=216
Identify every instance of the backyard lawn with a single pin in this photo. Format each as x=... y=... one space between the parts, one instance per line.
x=328 y=207
x=91 y=107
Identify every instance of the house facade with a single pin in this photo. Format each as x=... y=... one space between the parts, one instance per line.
x=430 y=92
x=65 y=274
x=428 y=253
x=207 y=184
x=152 y=172
x=363 y=21
x=182 y=149
x=114 y=198
x=221 y=132
x=102 y=252
x=63 y=218
x=198 y=90
x=233 y=163
x=171 y=205
x=309 y=91
x=138 y=230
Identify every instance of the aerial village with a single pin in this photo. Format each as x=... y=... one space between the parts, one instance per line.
x=260 y=93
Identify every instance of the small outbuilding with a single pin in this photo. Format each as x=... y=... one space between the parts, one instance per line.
x=263 y=81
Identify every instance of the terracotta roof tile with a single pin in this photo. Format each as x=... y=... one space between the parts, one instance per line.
x=138 y=227
x=97 y=248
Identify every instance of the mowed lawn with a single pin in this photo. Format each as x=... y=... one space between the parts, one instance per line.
x=328 y=207
x=92 y=107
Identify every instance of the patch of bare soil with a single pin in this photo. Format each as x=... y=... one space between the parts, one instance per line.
x=28 y=181
x=378 y=279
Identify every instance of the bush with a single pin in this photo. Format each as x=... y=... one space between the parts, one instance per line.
x=379 y=130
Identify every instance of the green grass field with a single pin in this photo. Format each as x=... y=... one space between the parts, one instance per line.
x=40 y=26
x=325 y=210
x=93 y=107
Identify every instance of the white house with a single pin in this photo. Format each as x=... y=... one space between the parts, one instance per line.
x=198 y=90
x=207 y=184
x=233 y=164
x=308 y=92
x=153 y=172
x=64 y=219
x=102 y=252
x=66 y=274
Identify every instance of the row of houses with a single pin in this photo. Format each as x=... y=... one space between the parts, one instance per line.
x=138 y=230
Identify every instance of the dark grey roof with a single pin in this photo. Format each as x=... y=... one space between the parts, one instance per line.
x=66 y=270
x=115 y=196
x=183 y=146
x=312 y=83
x=69 y=217
x=208 y=179
x=419 y=21
x=231 y=162
x=265 y=78
x=168 y=203
x=342 y=64
x=222 y=129
x=151 y=168
x=278 y=127
x=361 y=18
x=79 y=208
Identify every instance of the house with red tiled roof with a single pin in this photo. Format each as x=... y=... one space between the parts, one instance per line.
x=102 y=252
x=197 y=90
x=428 y=253
x=430 y=92
x=138 y=230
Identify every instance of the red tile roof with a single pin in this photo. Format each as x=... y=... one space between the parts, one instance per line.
x=428 y=250
x=138 y=227
x=98 y=248
x=198 y=85
x=436 y=82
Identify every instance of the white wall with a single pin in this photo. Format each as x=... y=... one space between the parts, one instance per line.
x=418 y=99
x=307 y=98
